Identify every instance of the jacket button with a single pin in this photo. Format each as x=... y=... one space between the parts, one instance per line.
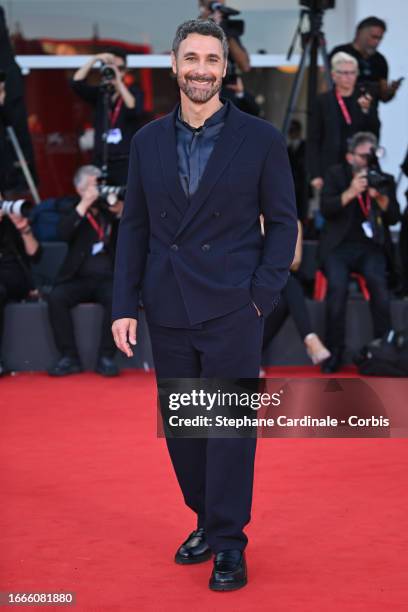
x=205 y=247
x=163 y=214
x=174 y=247
x=216 y=213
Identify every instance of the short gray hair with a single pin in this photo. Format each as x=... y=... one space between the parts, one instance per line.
x=85 y=171
x=204 y=27
x=343 y=58
x=361 y=138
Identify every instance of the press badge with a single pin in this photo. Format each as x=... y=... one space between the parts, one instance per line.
x=114 y=136
x=367 y=229
x=97 y=247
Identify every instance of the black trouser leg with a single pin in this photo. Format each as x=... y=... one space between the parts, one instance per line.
x=373 y=267
x=103 y=295
x=175 y=357
x=13 y=286
x=296 y=301
x=3 y=299
x=60 y=302
x=274 y=321
x=336 y=270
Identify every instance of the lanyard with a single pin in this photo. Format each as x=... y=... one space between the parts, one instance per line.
x=365 y=207
x=113 y=115
x=343 y=108
x=98 y=228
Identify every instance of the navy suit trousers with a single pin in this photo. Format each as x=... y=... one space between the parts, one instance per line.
x=214 y=474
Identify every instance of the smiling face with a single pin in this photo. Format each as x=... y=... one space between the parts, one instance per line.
x=200 y=67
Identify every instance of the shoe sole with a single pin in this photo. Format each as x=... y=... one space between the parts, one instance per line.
x=229 y=587
x=65 y=373
x=183 y=561
x=107 y=373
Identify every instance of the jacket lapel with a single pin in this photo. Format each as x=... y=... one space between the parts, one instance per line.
x=229 y=141
x=167 y=148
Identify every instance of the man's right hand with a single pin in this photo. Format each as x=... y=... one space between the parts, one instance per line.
x=359 y=183
x=124 y=334
x=88 y=197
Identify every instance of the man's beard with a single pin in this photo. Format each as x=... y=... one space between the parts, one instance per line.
x=195 y=94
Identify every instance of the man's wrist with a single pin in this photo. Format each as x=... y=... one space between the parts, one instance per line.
x=26 y=231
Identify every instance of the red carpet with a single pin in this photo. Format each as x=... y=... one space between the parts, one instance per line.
x=90 y=504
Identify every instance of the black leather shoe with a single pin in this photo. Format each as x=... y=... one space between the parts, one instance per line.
x=230 y=572
x=194 y=550
x=65 y=366
x=333 y=363
x=107 y=367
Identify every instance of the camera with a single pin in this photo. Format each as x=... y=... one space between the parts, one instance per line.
x=107 y=72
x=318 y=5
x=231 y=27
x=375 y=176
x=22 y=208
x=110 y=194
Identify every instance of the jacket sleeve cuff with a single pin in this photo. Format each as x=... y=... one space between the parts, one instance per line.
x=264 y=301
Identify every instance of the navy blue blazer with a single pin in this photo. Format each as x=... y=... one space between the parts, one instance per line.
x=192 y=261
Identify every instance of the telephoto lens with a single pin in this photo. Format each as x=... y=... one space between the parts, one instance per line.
x=22 y=208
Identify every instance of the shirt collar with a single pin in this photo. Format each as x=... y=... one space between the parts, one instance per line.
x=218 y=117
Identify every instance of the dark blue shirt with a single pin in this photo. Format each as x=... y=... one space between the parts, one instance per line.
x=195 y=145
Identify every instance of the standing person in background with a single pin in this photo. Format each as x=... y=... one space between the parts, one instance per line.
x=238 y=60
x=338 y=115
x=297 y=158
x=125 y=112
x=373 y=67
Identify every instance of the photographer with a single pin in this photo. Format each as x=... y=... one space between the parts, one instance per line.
x=238 y=59
x=359 y=204
x=373 y=67
x=124 y=113
x=90 y=230
x=338 y=114
x=18 y=248
x=238 y=55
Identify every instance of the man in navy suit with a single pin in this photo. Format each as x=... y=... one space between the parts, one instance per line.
x=190 y=245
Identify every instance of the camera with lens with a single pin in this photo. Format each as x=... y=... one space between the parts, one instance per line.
x=318 y=5
x=109 y=195
x=231 y=27
x=21 y=208
x=107 y=72
x=376 y=178
x=107 y=76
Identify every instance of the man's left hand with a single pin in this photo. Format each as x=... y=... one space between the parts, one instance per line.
x=117 y=209
x=21 y=223
x=381 y=199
